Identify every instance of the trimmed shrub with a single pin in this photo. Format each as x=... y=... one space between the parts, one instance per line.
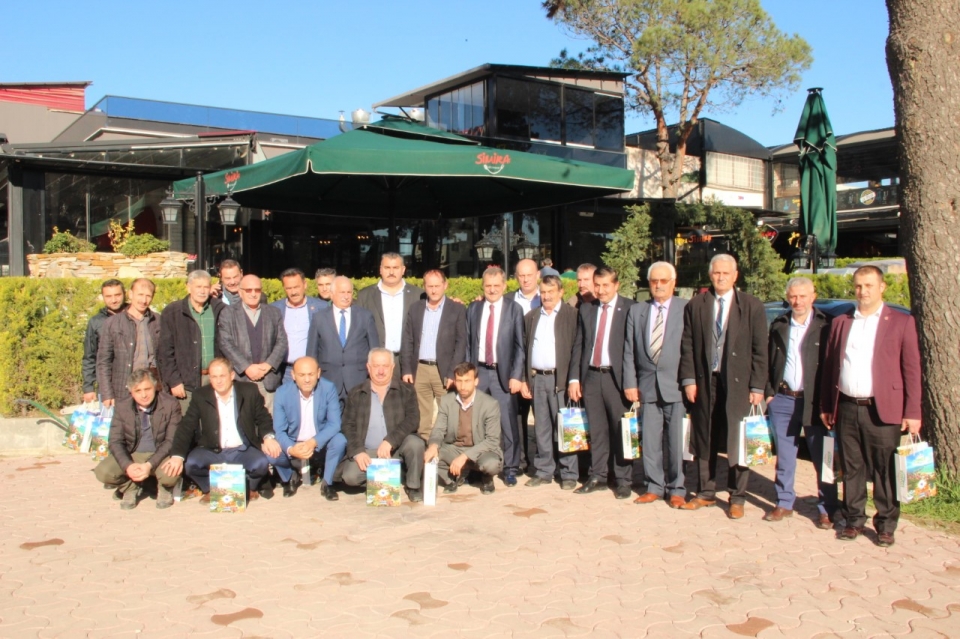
x=66 y=242
x=144 y=244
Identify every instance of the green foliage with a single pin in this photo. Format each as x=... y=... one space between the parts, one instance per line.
x=65 y=242
x=942 y=511
x=629 y=247
x=143 y=244
x=841 y=287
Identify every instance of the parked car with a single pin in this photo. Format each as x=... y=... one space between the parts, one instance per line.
x=830 y=307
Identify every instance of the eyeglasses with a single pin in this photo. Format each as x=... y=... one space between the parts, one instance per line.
x=664 y=281
x=251 y=290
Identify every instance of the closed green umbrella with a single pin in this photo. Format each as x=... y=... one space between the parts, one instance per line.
x=818 y=173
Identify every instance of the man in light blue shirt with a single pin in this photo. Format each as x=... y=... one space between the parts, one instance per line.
x=297 y=309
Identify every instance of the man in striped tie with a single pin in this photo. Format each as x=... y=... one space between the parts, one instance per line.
x=651 y=360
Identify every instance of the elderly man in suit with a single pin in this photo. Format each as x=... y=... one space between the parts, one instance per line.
x=306 y=421
x=467 y=434
x=434 y=342
x=380 y=420
x=226 y=423
x=495 y=347
x=549 y=333
x=341 y=337
x=297 y=310
x=252 y=337
x=389 y=301
x=596 y=375
x=651 y=361
x=723 y=371
x=870 y=386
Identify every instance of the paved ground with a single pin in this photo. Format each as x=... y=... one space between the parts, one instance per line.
x=523 y=562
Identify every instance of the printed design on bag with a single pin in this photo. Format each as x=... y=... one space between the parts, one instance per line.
x=758 y=444
x=574 y=433
x=918 y=475
x=383 y=482
x=228 y=488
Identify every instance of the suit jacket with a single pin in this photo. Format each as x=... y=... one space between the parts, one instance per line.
x=180 y=349
x=314 y=304
x=509 y=346
x=286 y=414
x=369 y=298
x=485 y=425
x=896 y=366
x=744 y=364
x=91 y=342
x=660 y=380
x=587 y=335
x=564 y=332
x=534 y=303
x=345 y=366
x=451 y=338
x=234 y=342
x=200 y=426
x=125 y=430
x=115 y=351
x=400 y=410
x=812 y=349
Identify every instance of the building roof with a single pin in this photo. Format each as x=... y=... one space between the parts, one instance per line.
x=64 y=96
x=709 y=135
x=862 y=155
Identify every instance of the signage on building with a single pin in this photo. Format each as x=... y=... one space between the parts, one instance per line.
x=493 y=163
x=769 y=233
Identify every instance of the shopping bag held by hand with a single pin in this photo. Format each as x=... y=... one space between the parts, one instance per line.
x=573 y=429
x=630 y=432
x=916 y=473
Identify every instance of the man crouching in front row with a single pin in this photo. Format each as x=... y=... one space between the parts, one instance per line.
x=141 y=435
x=226 y=423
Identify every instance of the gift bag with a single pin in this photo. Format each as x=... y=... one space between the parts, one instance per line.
x=754 y=440
x=228 y=488
x=630 y=432
x=687 y=449
x=573 y=430
x=430 y=482
x=81 y=422
x=830 y=471
x=916 y=473
x=96 y=440
x=383 y=482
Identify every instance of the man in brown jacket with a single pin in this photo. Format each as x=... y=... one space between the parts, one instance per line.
x=128 y=342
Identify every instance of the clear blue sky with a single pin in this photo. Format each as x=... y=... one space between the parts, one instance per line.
x=318 y=58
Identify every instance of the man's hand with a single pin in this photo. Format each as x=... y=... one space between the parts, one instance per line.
x=216 y=290
x=179 y=391
x=514 y=386
x=253 y=372
x=912 y=425
x=407 y=378
x=173 y=466
x=632 y=394
x=271 y=448
x=827 y=419
x=363 y=461
x=89 y=397
x=691 y=393
x=525 y=391
x=139 y=472
x=573 y=391
x=303 y=450
x=447 y=383
x=384 y=450
x=756 y=398
x=457 y=464
x=432 y=452
x=107 y=403
x=768 y=400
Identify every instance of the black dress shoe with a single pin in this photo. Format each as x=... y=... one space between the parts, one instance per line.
x=623 y=491
x=487 y=487
x=266 y=490
x=592 y=485
x=328 y=491
x=290 y=488
x=415 y=495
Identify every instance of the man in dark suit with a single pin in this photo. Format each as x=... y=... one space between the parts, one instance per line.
x=796 y=345
x=389 y=301
x=871 y=385
x=380 y=420
x=341 y=338
x=527 y=296
x=651 y=361
x=297 y=310
x=596 y=375
x=114 y=301
x=723 y=371
x=495 y=347
x=226 y=423
x=252 y=337
x=434 y=342
x=549 y=333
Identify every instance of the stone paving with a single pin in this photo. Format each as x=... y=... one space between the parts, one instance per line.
x=523 y=562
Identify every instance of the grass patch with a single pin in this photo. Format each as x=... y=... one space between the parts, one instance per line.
x=938 y=513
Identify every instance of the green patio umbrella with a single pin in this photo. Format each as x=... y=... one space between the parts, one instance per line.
x=399 y=169
x=818 y=173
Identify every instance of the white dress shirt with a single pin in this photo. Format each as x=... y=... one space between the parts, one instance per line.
x=308 y=428
x=727 y=302
x=336 y=317
x=793 y=368
x=497 y=311
x=227 y=409
x=392 y=317
x=856 y=369
x=543 y=355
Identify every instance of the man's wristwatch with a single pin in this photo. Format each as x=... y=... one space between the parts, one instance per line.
x=269 y=436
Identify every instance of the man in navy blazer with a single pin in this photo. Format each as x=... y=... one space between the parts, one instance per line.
x=495 y=346
x=870 y=392
x=341 y=337
x=306 y=421
x=596 y=375
x=297 y=310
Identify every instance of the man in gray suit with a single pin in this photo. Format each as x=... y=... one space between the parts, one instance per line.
x=651 y=360
x=252 y=337
x=549 y=332
x=467 y=434
x=389 y=301
x=341 y=338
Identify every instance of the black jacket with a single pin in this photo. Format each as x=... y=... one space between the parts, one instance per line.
x=200 y=427
x=812 y=349
x=91 y=341
x=451 y=338
x=179 y=351
x=118 y=340
x=400 y=411
x=125 y=429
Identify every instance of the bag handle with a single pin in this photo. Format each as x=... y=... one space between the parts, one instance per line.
x=756 y=410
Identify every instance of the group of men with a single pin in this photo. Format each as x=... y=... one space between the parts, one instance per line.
x=412 y=374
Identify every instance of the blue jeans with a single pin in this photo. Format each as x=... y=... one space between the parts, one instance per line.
x=254 y=462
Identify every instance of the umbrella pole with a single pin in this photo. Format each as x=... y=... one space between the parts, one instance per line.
x=392 y=243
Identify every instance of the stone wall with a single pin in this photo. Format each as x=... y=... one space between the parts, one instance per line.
x=101 y=266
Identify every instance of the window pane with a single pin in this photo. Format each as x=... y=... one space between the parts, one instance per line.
x=512 y=108
x=477 y=104
x=446 y=112
x=433 y=113
x=579 y=111
x=545 y=112
x=609 y=118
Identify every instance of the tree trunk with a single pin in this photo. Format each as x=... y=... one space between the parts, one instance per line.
x=922 y=52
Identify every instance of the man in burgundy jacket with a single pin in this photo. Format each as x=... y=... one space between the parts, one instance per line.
x=870 y=387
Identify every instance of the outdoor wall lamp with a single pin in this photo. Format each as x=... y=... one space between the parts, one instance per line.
x=228 y=211
x=170 y=208
x=486 y=246
x=525 y=250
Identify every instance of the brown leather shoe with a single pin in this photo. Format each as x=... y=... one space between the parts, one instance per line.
x=646 y=498
x=735 y=511
x=696 y=504
x=849 y=533
x=885 y=539
x=777 y=514
x=254 y=495
x=823 y=522
x=676 y=501
x=205 y=498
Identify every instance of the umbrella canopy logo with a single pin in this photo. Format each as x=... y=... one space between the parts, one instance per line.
x=493 y=162
x=231 y=177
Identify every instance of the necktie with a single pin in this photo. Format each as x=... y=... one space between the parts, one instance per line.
x=719 y=326
x=488 y=340
x=656 y=339
x=601 y=331
x=343 y=329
